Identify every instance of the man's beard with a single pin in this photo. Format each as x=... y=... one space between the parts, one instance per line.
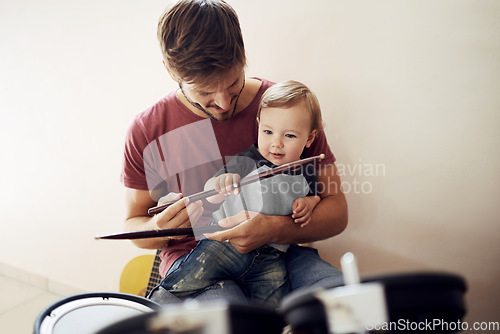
x=210 y=115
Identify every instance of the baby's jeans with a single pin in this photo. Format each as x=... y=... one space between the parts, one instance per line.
x=261 y=274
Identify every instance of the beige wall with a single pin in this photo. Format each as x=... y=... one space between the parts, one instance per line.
x=409 y=90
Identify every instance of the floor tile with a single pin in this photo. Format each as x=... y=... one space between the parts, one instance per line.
x=14 y=293
x=21 y=319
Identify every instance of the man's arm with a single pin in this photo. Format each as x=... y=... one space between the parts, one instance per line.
x=329 y=219
x=137 y=203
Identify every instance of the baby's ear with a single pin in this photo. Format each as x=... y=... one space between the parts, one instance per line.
x=311 y=137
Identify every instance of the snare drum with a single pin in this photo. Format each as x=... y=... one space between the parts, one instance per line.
x=89 y=312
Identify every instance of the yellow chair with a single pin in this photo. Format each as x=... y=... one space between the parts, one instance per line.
x=140 y=275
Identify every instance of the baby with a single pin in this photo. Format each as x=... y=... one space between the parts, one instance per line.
x=289 y=118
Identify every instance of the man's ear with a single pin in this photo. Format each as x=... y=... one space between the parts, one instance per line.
x=311 y=137
x=172 y=75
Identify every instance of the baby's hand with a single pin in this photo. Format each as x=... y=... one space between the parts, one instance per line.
x=303 y=208
x=227 y=184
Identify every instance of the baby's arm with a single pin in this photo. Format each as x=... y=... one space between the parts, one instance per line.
x=225 y=184
x=303 y=208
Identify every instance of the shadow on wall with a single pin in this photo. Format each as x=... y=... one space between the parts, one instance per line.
x=377 y=261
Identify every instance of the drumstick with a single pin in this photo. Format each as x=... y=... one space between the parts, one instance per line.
x=244 y=181
x=169 y=232
x=204 y=194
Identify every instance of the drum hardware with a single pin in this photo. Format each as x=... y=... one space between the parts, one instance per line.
x=191 y=316
x=354 y=307
x=377 y=303
x=345 y=309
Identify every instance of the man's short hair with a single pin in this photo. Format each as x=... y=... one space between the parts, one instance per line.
x=287 y=94
x=201 y=40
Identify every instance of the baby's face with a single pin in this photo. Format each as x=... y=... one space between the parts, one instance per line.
x=283 y=133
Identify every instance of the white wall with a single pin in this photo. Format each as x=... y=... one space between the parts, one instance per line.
x=409 y=91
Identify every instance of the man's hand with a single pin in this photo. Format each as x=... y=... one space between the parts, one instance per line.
x=178 y=215
x=249 y=231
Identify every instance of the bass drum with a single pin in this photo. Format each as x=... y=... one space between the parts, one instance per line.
x=89 y=312
x=411 y=298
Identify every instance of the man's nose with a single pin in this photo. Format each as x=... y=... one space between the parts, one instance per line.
x=223 y=100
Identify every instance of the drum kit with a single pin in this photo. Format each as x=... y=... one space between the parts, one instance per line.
x=388 y=303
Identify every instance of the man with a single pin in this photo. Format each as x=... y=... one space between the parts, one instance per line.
x=181 y=141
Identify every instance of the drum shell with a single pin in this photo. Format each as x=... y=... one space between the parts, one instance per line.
x=55 y=316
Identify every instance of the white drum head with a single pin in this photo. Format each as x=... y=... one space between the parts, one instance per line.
x=90 y=314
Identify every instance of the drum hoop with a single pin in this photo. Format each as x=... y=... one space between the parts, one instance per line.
x=55 y=315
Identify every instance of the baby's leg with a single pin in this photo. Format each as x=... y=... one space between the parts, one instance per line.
x=266 y=282
x=208 y=263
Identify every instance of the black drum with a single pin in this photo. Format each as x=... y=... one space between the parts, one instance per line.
x=89 y=312
x=192 y=317
x=413 y=300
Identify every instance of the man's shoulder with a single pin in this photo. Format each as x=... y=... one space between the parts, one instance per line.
x=165 y=115
x=160 y=107
x=264 y=83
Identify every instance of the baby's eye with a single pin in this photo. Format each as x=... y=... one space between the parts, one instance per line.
x=268 y=132
x=289 y=135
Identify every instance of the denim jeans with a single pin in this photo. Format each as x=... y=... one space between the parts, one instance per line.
x=261 y=274
x=304 y=266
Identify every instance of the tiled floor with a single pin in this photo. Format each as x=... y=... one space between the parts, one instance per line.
x=20 y=304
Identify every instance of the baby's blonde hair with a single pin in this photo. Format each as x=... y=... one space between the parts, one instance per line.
x=288 y=93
